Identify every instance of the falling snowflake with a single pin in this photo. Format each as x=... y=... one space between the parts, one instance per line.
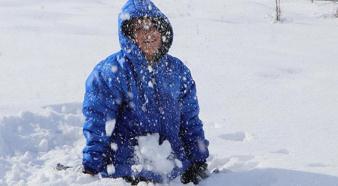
x=150 y=84
x=150 y=7
x=114 y=68
x=132 y=105
x=110 y=125
x=124 y=16
x=130 y=95
x=110 y=169
x=113 y=146
x=150 y=68
x=121 y=61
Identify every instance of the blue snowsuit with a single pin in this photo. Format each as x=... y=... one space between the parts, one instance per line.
x=141 y=100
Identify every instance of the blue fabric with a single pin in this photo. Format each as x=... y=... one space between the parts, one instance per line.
x=142 y=101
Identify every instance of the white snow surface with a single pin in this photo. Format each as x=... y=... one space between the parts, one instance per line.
x=267 y=90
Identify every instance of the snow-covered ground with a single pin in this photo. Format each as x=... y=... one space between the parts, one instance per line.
x=268 y=91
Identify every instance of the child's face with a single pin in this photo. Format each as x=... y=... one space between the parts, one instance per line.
x=147 y=37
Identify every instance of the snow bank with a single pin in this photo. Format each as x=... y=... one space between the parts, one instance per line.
x=40 y=132
x=33 y=143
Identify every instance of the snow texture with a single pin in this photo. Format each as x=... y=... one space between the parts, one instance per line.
x=267 y=90
x=154 y=157
x=110 y=126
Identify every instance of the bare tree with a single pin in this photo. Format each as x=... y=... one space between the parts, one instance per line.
x=278 y=11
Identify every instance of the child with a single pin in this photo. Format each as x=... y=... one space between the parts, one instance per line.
x=142 y=90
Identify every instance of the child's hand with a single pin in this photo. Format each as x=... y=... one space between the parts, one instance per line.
x=195 y=173
x=87 y=170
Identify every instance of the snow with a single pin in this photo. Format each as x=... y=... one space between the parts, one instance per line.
x=114 y=68
x=124 y=16
x=150 y=84
x=267 y=91
x=152 y=156
x=237 y=136
x=110 y=169
x=150 y=68
x=110 y=126
x=121 y=61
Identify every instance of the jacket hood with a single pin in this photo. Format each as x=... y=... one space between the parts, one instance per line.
x=138 y=9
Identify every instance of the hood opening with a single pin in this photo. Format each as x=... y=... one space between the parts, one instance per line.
x=161 y=24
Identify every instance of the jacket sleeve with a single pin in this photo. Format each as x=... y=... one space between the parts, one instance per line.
x=100 y=105
x=191 y=132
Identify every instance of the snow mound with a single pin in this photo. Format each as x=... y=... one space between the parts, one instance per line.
x=237 y=136
x=40 y=132
x=33 y=143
